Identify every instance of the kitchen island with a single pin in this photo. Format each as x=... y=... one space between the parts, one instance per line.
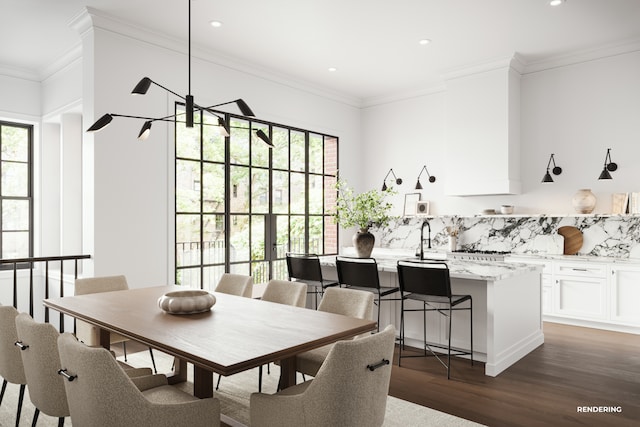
x=507 y=309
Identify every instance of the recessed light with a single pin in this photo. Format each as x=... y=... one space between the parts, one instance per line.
x=424 y=41
x=556 y=2
x=332 y=69
x=216 y=24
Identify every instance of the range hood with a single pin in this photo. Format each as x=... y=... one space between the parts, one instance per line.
x=482 y=154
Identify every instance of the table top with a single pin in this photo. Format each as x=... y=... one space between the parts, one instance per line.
x=237 y=334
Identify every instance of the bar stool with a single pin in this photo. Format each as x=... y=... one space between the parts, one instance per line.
x=306 y=268
x=362 y=274
x=429 y=282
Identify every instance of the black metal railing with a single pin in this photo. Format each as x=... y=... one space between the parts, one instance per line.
x=21 y=264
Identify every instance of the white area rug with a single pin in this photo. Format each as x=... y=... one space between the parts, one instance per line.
x=234 y=395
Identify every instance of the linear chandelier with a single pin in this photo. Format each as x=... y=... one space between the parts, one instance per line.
x=143 y=86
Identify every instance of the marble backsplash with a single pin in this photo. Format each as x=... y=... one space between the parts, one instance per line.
x=603 y=235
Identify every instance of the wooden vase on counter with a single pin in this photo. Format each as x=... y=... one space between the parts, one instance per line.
x=363 y=242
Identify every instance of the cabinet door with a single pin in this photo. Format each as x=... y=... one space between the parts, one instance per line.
x=625 y=295
x=582 y=297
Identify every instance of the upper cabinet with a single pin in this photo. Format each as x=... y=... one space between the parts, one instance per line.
x=483 y=130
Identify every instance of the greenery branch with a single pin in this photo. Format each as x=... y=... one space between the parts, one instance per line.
x=363 y=210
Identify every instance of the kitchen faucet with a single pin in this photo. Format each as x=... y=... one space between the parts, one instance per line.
x=425 y=222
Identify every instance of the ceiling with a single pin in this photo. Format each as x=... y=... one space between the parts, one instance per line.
x=373 y=44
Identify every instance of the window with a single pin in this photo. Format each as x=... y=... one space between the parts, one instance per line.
x=16 y=192
x=254 y=204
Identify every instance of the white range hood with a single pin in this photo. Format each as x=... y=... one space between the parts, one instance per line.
x=483 y=130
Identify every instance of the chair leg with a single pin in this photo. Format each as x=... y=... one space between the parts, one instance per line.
x=218 y=383
x=153 y=361
x=4 y=387
x=260 y=379
x=20 y=399
x=378 y=313
x=471 y=327
x=61 y=422
x=449 y=349
x=124 y=350
x=401 y=332
x=35 y=418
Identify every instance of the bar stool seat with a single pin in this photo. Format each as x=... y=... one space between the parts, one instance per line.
x=430 y=283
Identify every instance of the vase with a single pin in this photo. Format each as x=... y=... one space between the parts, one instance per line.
x=363 y=242
x=453 y=243
x=584 y=201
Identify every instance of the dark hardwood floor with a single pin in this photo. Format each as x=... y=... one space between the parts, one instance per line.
x=575 y=367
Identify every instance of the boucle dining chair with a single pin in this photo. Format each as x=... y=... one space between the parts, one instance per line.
x=11 y=367
x=90 y=334
x=350 y=389
x=100 y=393
x=235 y=284
x=348 y=302
x=38 y=343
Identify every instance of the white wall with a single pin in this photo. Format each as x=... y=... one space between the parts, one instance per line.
x=575 y=112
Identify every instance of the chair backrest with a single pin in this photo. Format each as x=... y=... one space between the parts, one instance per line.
x=286 y=292
x=360 y=272
x=92 y=285
x=11 y=367
x=304 y=267
x=41 y=364
x=423 y=278
x=352 y=384
x=235 y=284
x=348 y=302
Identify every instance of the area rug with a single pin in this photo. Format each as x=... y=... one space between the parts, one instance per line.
x=234 y=393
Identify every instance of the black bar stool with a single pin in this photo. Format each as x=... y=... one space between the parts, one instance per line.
x=429 y=282
x=362 y=274
x=306 y=268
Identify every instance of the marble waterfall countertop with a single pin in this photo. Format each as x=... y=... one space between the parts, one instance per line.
x=474 y=270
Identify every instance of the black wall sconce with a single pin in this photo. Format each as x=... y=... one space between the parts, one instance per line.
x=432 y=178
x=609 y=166
x=557 y=170
x=384 y=183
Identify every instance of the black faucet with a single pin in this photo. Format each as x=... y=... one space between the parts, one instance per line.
x=425 y=222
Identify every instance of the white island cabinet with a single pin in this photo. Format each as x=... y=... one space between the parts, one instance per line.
x=507 y=310
x=625 y=294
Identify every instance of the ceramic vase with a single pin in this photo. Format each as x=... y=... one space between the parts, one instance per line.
x=453 y=243
x=584 y=201
x=363 y=242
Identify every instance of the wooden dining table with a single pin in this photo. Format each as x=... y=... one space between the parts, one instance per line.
x=237 y=334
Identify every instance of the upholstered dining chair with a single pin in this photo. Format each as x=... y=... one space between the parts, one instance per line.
x=38 y=343
x=11 y=367
x=100 y=393
x=348 y=302
x=90 y=334
x=235 y=284
x=350 y=388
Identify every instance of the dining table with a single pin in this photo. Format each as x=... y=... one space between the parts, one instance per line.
x=235 y=335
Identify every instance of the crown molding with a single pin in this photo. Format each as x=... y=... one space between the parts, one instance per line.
x=19 y=73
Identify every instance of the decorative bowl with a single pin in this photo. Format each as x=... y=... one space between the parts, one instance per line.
x=506 y=209
x=186 y=302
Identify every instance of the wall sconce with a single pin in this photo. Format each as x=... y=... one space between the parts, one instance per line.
x=557 y=170
x=609 y=166
x=432 y=178
x=384 y=183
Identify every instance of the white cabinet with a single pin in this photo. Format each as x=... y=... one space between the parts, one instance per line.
x=625 y=294
x=581 y=290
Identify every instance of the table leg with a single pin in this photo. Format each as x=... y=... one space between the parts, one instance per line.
x=202 y=382
x=105 y=338
x=179 y=372
x=287 y=372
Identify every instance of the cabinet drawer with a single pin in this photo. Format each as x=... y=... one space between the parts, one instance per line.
x=580 y=269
